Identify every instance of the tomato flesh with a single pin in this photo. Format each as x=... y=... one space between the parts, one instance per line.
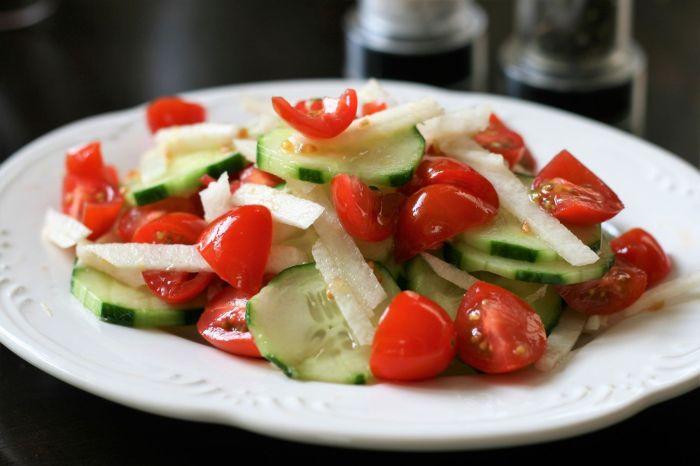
x=329 y=121
x=237 y=246
x=500 y=139
x=368 y=108
x=497 y=331
x=444 y=170
x=366 y=214
x=415 y=339
x=173 y=111
x=572 y=193
x=434 y=214
x=255 y=175
x=85 y=161
x=223 y=323
x=173 y=228
x=639 y=248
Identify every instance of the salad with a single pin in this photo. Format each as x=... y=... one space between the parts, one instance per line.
x=356 y=238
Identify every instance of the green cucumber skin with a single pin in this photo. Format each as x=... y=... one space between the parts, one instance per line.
x=129 y=317
x=423 y=280
x=273 y=160
x=178 y=184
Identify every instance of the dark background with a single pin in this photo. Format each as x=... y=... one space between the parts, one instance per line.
x=95 y=56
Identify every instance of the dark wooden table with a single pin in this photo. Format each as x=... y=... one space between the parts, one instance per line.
x=91 y=57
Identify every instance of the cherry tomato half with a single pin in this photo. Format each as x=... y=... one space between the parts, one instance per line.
x=572 y=193
x=134 y=217
x=173 y=228
x=500 y=139
x=444 y=170
x=173 y=111
x=497 y=331
x=366 y=214
x=223 y=323
x=622 y=285
x=638 y=248
x=85 y=161
x=237 y=246
x=334 y=116
x=434 y=214
x=415 y=339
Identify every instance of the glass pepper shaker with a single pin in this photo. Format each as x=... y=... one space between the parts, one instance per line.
x=578 y=55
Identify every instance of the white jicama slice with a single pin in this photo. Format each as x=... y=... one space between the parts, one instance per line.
x=248 y=148
x=283 y=256
x=562 y=340
x=263 y=123
x=257 y=105
x=216 y=198
x=356 y=314
x=449 y=272
x=348 y=258
x=373 y=91
x=285 y=208
x=143 y=256
x=467 y=121
x=154 y=164
x=62 y=230
x=515 y=198
x=197 y=137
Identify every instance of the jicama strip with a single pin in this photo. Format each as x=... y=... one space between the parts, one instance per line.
x=373 y=91
x=285 y=208
x=467 y=121
x=449 y=272
x=62 y=230
x=348 y=258
x=514 y=197
x=356 y=314
x=262 y=124
x=257 y=105
x=562 y=340
x=154 y=164
x=192 y=138
x=216 y=198
x=248 y=148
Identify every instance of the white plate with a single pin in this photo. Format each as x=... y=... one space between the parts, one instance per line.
x=641 y=361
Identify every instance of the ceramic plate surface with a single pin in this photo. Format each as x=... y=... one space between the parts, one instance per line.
x=637 y=363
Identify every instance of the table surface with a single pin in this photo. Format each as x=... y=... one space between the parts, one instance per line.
x=91 y=57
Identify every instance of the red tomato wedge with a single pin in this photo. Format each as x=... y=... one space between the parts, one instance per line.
x=638 y=248
x=444 y=170
x=223 y=323
x=255 y=175
x=434 y=214
x=173 y=111
x=500 y=139
x=368 y=108
x=331 y=119
x=237 y=246
x=574 y=194
x=366 y=214
x=415 y=339
x=173 y=228
x=622 y=285
x=86 y=161
x=497 y=331
x=134 y=217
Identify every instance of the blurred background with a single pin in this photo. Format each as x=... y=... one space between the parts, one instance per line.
x=632 y=65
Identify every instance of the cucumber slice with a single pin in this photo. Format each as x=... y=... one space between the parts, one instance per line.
x=505 y=237
x=183 y=174
x=421 y=278
x=299 y=329
x=116 y=303
x=557 y=272
x=549 y=306
x=389 y=162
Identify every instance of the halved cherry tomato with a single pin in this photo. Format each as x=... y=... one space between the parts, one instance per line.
x=173 y=111
x=85 y=161
x=497 y=331
x=574 y=194
x=173 y=228
x=415 y=339
x=638 y=248
x=330 y=120
x=500 y=139
x=622 y=285
x=253 y=174
x=237 y=246
x=223 y=323
x=366 y=214
x=374 y=106
x=436 y=213
x=134 y=217
x=444 y=170
x=311 y=106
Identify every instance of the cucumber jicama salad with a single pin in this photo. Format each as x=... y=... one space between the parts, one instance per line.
x=352 y=238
